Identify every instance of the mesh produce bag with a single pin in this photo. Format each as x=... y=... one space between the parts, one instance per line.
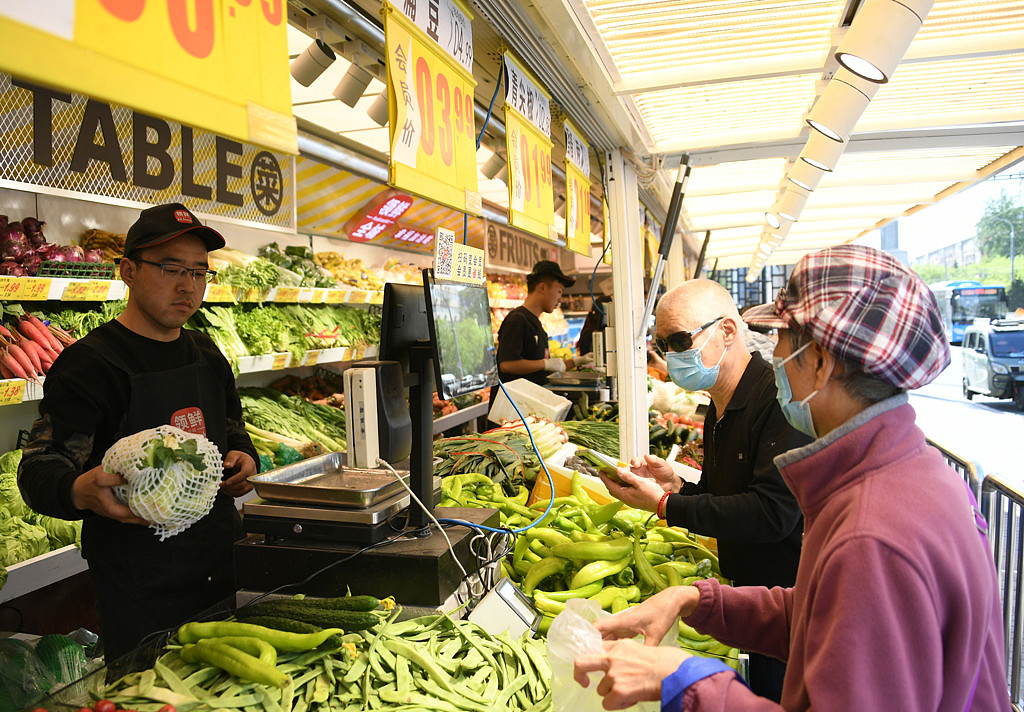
x=172 y=476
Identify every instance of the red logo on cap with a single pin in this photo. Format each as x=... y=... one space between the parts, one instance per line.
x=182 y=216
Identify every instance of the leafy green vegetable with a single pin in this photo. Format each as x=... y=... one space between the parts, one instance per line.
x=10 y=496
x=260 y=274
x=20 y=540
x=9 y=461
x=292 y=416
x=164 y=453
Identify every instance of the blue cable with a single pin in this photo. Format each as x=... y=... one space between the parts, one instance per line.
x=479 y=139
x=551 y=484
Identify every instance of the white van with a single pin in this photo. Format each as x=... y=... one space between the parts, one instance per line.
x=993 y=354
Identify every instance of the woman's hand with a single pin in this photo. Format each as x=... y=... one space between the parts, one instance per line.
x=632 y=672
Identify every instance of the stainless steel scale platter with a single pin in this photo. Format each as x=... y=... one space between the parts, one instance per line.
x=324 y=480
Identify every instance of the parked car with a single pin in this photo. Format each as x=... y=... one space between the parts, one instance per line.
x=993 y=353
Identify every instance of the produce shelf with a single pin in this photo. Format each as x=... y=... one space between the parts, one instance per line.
x=35 y=573
x=460 y=416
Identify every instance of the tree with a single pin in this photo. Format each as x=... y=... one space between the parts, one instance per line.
x=993 y=234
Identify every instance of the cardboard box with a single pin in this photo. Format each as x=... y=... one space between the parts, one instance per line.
x=562 y=478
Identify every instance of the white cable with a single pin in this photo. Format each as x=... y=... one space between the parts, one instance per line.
x=385 y=463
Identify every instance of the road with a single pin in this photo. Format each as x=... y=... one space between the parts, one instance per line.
x=985 y=430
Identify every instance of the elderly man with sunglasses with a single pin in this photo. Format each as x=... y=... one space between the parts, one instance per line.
x=741 y=499
x=136 y=372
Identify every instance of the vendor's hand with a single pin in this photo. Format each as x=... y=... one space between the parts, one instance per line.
x=584 y=360
x=638 y=492
x=653 y=618
x=239 y=467
x=632 y=672
x=661 y=471
x=92 y=490
x=556 y=365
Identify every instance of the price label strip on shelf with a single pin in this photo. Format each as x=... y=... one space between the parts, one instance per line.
x=12 y=391
x=220 y=293
x=430 y=102
x=335 y=296
x=528 y=145
x=24 y=288
x=311 y=358
x=92 y=291
x=287 y=295
x=280 y=361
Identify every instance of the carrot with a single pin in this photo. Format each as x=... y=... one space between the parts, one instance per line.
x=62 y=336
x=4 y=371
x=24 y=361
x=13 y=366
x=51 y=340
x=29 y=331
x=34 y=353
x=5 y=332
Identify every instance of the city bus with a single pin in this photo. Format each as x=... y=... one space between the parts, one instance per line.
x=963 y=301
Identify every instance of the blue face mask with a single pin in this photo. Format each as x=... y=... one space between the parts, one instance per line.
x=687 y=369
x=797 y=414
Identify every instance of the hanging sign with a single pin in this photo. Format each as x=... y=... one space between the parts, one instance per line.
x=508 y=248
x=215 y=65
x=531 y=203
x=431 y=114
x=80 y=147
x=577 y=191
x=455 y=262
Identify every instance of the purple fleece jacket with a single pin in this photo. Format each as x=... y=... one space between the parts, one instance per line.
x=895 y=604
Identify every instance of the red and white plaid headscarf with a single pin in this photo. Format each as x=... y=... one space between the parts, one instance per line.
x=863 y=305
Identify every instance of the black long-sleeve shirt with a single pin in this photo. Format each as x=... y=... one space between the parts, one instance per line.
x=85 y=398
x=741 y=499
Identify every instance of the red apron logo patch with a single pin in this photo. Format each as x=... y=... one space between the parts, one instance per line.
x=190 y=420
x=182 y=216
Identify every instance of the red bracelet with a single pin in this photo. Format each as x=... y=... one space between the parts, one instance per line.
x=661 y=504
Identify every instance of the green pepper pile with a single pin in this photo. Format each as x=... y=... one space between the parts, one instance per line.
x=610 y=553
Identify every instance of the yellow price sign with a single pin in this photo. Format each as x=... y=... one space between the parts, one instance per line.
x=252 y=295
x=288 y=295
x=24 y=288
x=432 y=124
x=531 y=196
x=318 y=296
x=577 y=210
x=92 y=291
x=280 y=361
x=357 y=296
x=376 y=298
x=312 y=357
x=12 y=391
x=219 y=293
x=214 y=65
x=335 y=296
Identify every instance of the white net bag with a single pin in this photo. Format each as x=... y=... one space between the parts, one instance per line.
x=172 y=476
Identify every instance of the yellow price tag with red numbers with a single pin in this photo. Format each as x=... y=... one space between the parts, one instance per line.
x=12 y=391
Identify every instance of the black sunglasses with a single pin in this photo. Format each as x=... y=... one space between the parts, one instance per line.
x=681 y=340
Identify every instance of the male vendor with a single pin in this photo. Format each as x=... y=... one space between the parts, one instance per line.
x=136 y=372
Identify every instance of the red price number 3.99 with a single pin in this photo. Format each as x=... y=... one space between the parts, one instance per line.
x=193 y=22
x=447 y=112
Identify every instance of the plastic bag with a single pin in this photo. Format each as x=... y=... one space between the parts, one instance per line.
x=572 y=633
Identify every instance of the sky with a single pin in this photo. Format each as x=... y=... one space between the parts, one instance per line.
x=953 y=219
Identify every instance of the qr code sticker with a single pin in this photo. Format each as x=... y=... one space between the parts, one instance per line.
x=444 y=256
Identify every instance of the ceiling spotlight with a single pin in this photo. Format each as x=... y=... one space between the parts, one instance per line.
x=821 y=152
x=502 y=174
x=351 y=87
x=792 y=203
x=840 y=106
x=879 y=36
x=805 y=175
x=559 y=206
x=312 y=62
x=378 y=110
x=773 y=220
x=492 y=166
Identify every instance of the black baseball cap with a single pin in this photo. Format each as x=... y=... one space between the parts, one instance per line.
x=165 y=222
x=545 y=268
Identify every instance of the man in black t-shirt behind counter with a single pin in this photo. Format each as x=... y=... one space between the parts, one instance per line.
x=136 y=372
x=522 y=341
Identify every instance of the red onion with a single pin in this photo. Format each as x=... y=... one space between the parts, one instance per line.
x=32 y=225
x=95 y=255
x=12 y=269
x=13 y=232
x=32 y=262
x=73 y=253
x=12 y=250
x=35 y=239
x=3 y=222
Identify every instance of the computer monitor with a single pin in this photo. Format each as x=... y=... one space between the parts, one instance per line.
x=459 y=318
x=403 y=322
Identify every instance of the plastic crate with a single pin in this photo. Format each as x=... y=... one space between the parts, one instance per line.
x=86 y=270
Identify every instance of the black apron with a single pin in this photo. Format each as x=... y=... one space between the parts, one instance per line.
x=144 y=585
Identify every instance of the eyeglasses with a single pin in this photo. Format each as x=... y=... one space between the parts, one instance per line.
x=681 y=340
x=178 y=271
